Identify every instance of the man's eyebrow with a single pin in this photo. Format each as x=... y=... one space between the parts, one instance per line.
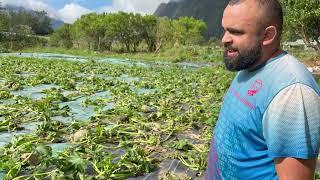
x=234 y=30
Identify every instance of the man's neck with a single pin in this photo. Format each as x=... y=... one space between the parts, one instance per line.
x=265 y=58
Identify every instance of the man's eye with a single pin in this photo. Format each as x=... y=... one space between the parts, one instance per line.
x=236 y=32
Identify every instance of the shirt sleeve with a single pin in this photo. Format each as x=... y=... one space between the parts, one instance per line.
x=291 y=123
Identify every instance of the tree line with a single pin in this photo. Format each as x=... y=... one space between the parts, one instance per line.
x=128 y=31
x=22 y=21
x=21 y=28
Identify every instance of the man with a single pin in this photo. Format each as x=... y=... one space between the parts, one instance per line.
x=269 y=124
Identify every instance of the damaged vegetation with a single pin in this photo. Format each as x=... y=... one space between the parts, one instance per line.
x=94 y=120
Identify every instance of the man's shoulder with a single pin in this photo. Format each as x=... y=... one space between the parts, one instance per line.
x=288 y=70
x=280 y=70
x=263 y=85
x=289 y=64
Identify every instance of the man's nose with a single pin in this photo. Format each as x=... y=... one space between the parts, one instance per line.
x=226 y=39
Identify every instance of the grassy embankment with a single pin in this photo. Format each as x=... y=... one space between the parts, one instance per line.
x=176 y=54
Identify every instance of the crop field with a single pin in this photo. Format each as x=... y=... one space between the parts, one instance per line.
x=82 y=118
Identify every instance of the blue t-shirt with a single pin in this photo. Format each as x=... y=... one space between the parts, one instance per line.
x=267 y=113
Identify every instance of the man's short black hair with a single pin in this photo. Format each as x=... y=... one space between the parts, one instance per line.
x=273 y=14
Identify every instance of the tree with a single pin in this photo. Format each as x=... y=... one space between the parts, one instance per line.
x=129 y=30
x=91 y=27
x=125 y=29
x=12 y=19
x=62 y=37
x=302 y=18
x=104 y=26
x=3 y=21
x=188 y=30
x=23 y=29
x=79 y=35
x=149 y=31
x=138 y=28
x=40 y=23
x=164 y=35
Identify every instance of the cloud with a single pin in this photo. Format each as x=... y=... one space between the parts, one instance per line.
x=71 y=12
x=137 y=6
x=35 y=5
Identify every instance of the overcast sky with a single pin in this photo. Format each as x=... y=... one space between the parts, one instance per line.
x=69 y=10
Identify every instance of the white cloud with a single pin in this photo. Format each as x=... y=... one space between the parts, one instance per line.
x=71 y=12
x=33 y=5
x=137 y=6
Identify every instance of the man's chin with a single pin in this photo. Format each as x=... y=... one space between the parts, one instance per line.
x=231 y=64
x=237 y=62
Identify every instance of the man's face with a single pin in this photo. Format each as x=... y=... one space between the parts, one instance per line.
x=242 y=39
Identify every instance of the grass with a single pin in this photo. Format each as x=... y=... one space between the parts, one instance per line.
x=175 y=54
x=196 y=53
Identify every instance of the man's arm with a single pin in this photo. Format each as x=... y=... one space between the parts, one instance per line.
x=291 y=130
x=295 y=169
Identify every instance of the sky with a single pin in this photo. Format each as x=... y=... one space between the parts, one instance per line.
x=69 y=10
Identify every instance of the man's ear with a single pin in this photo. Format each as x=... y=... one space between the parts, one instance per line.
x=270 y=35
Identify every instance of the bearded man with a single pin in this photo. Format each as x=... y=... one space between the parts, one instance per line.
x=269 y=123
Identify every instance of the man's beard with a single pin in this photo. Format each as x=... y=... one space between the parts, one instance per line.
x=244 y=60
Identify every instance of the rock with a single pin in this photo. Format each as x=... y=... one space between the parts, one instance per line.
x=316 y=68
x=207 y=10
x=31 y=158
x=147 y=109
x=89 y=170
x=310 y=69
x=123 y=118
x=79 y=135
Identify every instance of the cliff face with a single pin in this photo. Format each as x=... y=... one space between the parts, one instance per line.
x=210 y=11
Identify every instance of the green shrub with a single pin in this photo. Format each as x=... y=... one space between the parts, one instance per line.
x=12 y=41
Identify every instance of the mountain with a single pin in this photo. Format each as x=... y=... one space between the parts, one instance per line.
x=210 y=11
x=55 y=23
